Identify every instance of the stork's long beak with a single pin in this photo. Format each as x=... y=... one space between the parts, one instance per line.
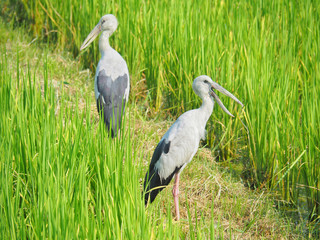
x=92 y=35
x=225 y=92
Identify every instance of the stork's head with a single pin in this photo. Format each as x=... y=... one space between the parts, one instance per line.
x=203 y=86
x=108 y=24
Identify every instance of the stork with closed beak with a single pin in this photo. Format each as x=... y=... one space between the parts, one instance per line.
x=111 y=83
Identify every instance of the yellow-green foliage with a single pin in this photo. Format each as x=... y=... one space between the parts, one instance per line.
x=265 y=52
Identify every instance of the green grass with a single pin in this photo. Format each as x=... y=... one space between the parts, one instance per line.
x=61 y=176
x=266 y=53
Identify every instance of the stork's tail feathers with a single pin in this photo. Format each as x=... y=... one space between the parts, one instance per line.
x=153 y=184
x=112 y=115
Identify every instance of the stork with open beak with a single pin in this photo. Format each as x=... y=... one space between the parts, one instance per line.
x=181 y=142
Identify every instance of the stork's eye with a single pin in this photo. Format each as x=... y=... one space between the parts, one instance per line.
x=102 y=22
x=205 y=81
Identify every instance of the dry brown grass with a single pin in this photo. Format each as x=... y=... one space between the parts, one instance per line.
x=211 y=193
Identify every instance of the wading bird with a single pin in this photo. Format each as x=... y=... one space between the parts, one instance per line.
x=180 y=143
x=111 y=83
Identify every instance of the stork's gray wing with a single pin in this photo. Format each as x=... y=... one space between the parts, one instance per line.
x=111 y=101
x=175 y=150
x=153 y=183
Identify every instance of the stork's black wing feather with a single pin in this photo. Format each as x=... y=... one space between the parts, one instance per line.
x=153 y=184
x=111 y=102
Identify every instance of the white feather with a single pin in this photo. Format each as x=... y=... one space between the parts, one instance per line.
x=185 y=135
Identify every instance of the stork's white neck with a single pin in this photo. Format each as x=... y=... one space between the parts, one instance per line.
x=104 y=42
x=206 y=108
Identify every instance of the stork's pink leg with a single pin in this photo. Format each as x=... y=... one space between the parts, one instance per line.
x=175 y=193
